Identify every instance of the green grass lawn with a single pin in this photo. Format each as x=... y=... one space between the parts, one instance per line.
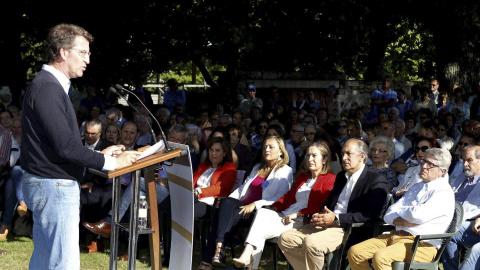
x=20 y=249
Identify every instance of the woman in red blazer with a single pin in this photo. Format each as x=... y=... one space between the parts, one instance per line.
x=215 y=177
x=306 y=196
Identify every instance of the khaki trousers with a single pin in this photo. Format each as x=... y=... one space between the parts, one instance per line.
x=305 y=247
x=387 y=249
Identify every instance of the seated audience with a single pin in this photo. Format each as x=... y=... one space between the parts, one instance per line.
x=307 y=195
x=243 y=152
x=382 y=150
x=145 y=136
x=467 y=192
x=442 y=135
x=373 y=130
x=389 y=129
x=215 y=177
x=400 y=134
x=426 y=208
x=112 y=133
x=268 y=182
x=425 y=102
x=354 y=129
x=459 y=107
x=260 y=131
x=412 y=175
x=358 y=195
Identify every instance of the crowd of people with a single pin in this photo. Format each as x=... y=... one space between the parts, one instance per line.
x=306 y=167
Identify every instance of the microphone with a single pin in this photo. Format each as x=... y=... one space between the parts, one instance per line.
x=168 y=149
x=113 y=90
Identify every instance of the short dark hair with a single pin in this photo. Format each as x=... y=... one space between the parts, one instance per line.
x=225 y=147
x=63 y=36
x=233 y=127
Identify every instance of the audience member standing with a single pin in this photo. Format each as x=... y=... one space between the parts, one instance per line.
x=173 y=96
x=384 y=97
x=251 y=101
x=91 y=100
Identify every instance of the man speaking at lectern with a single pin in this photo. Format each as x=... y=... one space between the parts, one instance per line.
x=52 y=152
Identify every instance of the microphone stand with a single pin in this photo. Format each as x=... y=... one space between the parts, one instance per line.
x=113 y=90
x=167 y=147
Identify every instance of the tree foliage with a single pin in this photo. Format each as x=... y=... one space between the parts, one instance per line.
x=326 y=39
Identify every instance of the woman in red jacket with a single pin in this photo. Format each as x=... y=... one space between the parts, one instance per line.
x=307 y=195
x=215 y=177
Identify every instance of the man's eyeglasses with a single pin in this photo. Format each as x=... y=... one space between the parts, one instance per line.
x=91 y=134
x=428 y=164
x=82 y=53
x=342 y=126
x=423 y=149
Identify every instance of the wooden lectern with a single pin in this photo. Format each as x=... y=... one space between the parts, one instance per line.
x=148 y=165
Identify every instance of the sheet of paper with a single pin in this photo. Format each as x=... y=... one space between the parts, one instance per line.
x=159 y=146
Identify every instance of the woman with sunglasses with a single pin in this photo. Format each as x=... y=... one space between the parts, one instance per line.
x=382 y=150
x=412 y=176
x=260 y=130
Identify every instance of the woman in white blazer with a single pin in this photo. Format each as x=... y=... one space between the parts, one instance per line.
x=269 y=181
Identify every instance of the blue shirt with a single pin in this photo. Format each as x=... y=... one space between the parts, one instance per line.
x=378 y=94
x=171 y=99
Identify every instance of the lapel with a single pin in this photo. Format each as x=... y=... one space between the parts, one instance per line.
x=339 y=185
x=359 y=185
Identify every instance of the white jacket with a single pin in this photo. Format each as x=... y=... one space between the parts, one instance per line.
x=279 y=182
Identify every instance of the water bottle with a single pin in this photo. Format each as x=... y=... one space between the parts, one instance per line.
x=142 y=213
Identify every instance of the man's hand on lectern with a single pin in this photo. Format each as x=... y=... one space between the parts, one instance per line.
x=113 y=150
x=126 y=158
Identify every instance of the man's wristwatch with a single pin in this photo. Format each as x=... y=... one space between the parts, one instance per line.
x=336 y=222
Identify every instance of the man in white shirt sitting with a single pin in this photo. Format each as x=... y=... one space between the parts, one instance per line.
x=426 y=208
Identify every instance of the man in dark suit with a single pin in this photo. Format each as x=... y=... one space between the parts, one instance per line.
x=52 y=153
x=92 y=186
x=90 y=191
x=358 y=195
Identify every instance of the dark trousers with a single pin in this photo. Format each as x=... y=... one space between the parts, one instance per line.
x=200 y=209
x=225 y=218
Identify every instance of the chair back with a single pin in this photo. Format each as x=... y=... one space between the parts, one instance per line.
x=240 y=178
x=452 y=228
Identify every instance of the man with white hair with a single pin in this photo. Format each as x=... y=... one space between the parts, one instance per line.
x=426 y=208
x=145 y=136
x=393 y=114
x=399 y=133
x=467 y=192
x=389 y=129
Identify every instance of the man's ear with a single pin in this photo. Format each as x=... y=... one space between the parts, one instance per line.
x=63 y=53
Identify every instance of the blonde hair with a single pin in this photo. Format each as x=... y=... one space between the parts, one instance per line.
x=325 y=151
x=283 y=160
